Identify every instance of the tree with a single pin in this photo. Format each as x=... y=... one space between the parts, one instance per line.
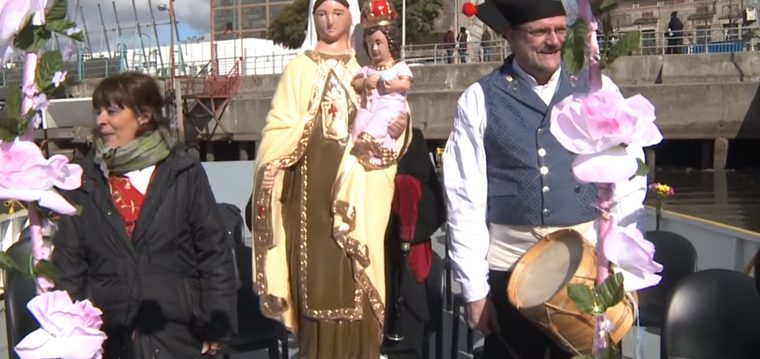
x=289 y=27
x=420 y=16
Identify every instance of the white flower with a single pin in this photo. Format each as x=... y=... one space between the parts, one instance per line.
x=40 y=102
x=59 y=77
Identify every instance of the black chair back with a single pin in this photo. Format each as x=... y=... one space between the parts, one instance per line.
x=19 y=289
x=713 y=314
x=679 y=259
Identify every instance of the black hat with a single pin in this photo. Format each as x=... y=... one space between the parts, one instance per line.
x=500 y=14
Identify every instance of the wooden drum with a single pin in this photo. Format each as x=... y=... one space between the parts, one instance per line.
x=538 y=289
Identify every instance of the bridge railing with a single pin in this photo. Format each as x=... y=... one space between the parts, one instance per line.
x=692 y=41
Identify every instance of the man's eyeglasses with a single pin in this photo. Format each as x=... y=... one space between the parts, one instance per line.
x=545 y=31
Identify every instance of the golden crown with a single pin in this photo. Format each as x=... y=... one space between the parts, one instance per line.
x=378 y=13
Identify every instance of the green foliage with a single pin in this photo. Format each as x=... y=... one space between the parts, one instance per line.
x=420 y=17
x=57 y=11
x=610 y=48
x=573 y=54
x=9 y=124
x=583 y=296
x=624 y=46
x=642 y=169
x=597 y=300
x=47 y=65
x=613 y=351
x=289 y=27
x=602 y=7
x=47 y=269
x=7 y=263
x=611 y=292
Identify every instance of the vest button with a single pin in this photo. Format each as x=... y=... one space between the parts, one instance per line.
x=541 y=152
x=540 y=130
x=546 y=211
x=544 y=170
x=545 y=189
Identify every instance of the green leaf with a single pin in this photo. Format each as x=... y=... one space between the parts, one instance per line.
x=628 y=43
x=25 y=37
x=47 y=269
x=7 y=263
x=13 y=102
x=613 y=351
x=601 y=7
x=47 y=65
x=582 y=356
x=583 y=296
x=60 y=26
x=642 y=169
x=575 y=43
x=57 y=11
x=611 y=292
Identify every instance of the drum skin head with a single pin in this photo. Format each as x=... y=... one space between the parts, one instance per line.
x=551 y=269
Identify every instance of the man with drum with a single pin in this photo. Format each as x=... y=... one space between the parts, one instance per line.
x=508 y=181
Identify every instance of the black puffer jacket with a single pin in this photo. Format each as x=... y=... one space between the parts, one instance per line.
x=173 y=282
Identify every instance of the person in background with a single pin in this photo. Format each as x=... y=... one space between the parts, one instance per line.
x=418 y=210
x=508 y=181
x=462 y=38
x=674 y=34
x=487 y=45
x=148 y=247
x=450 y=43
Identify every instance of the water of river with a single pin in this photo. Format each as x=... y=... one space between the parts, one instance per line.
x=724 y=196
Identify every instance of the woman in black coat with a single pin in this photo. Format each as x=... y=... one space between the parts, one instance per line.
x=417 y=213
x=148 y=246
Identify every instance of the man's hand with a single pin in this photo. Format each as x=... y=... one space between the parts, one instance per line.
x=269 y=175
x=210 y=348
x=398 y=125
x=481 y=315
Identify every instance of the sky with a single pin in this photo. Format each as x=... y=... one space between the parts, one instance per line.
x=192 y=20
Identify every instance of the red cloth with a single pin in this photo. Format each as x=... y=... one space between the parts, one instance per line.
x=127 y=200
x=406 y=197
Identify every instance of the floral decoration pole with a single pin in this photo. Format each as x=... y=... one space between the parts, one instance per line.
x=28 y=90
x=607 y=132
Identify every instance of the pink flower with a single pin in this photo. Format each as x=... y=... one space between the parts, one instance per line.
x=26 y=175
x=600 y=127
x=13 y=15
x=634 y=257
x=67 y=330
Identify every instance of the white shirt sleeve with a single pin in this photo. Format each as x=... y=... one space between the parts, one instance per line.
x=628 y=196
x=464 y=177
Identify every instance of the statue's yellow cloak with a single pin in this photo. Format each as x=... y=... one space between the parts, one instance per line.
x=361 y=197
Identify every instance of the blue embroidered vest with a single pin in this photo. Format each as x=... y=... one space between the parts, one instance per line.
x=530 y=181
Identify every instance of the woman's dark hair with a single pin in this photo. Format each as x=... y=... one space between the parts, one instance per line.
x=135 y=91
x=392 y=34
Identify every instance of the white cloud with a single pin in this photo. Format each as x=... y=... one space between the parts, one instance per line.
x=192 y=17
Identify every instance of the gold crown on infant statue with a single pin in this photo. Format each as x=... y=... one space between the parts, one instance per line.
x=378 y=13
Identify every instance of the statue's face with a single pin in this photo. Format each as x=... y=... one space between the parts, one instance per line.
x=332 y=21
x=378 y=48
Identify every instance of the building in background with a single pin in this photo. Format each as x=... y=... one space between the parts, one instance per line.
x=249 y=18
x=705 y=22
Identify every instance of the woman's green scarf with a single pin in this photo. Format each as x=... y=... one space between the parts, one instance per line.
x=143 y=151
